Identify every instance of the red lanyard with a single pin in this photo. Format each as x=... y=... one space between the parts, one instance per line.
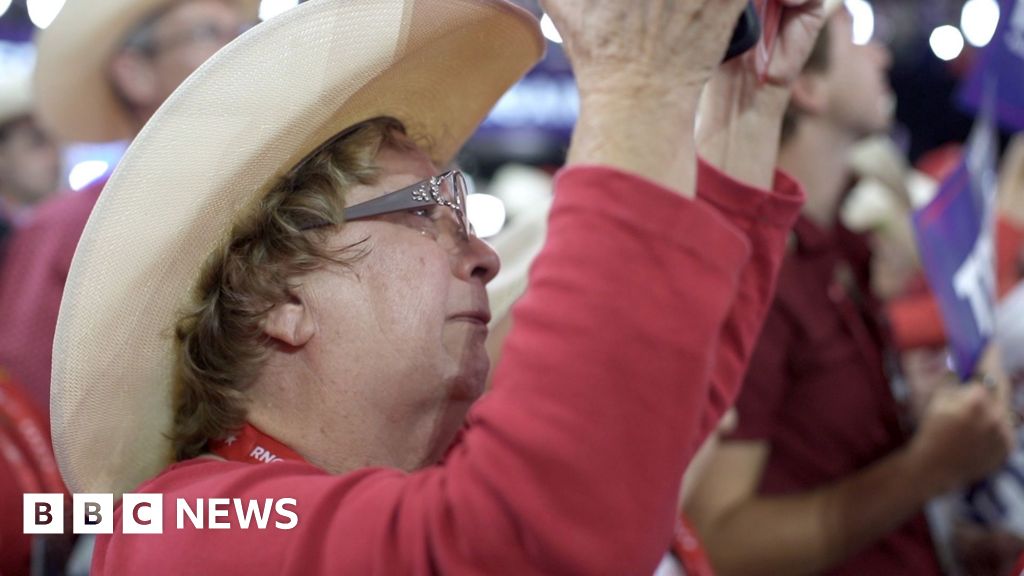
x=252 y=446
x=686 y=546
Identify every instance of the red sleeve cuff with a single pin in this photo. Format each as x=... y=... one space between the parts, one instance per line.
x=779 y=207
x=653 y=210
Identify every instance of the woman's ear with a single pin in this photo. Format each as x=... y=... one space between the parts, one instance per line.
x=290 y=322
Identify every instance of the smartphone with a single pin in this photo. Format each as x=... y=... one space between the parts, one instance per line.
x=770 y=14
x=757 y=29
x=746 y=34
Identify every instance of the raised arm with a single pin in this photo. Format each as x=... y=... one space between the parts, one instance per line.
x=962 y=437
x=738 y=134
x=640 y=68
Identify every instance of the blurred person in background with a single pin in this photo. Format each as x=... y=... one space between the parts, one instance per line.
x=29 y=157
x=881 y=206
x=27 y=465
x=29 y=174
x=104 y=67
x=820 y=476
x=1010 y=231
x=310 y=286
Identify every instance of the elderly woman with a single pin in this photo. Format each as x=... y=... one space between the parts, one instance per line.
x=297 y=186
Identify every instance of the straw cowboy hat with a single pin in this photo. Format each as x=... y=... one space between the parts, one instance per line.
x=247 y=116
x=15 y=97
x=75 y=99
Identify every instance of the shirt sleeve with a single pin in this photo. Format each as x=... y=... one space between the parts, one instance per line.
x=765 y=219
x=570 y=465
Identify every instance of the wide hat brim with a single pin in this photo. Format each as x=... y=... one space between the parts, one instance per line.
x=243 y=119
x=75 y=100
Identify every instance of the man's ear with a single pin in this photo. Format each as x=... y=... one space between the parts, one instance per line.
x=134 y=78
x=810 y=94
x=290 y=322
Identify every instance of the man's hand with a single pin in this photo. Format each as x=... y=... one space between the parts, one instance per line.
x=740 y=116
x=640 y=67
x=965 y=434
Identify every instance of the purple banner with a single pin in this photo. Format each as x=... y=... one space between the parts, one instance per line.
x=1003 y=60
x=955 y=237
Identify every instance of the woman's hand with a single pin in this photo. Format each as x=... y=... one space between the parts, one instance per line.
x=640 y=67
x=741 y=115
x=669 y=45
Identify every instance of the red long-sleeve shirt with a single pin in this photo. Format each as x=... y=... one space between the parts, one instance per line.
x=639 y=303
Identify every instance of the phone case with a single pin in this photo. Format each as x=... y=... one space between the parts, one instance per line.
x=746 y=34
x=770 y=13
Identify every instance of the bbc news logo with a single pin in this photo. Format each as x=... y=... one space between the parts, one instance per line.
x=144 y=513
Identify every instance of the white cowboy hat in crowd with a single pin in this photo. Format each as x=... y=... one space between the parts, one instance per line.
x=247 y=116
x=75 y=99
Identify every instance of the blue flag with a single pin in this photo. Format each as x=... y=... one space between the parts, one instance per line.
x=955 y=235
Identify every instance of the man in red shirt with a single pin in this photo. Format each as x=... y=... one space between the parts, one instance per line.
x=308 y=294
x=821 y=475
x=29 y=158
x=103 y=69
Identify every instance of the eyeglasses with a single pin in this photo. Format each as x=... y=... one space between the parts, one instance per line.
x=448 y=190
x=208 y=32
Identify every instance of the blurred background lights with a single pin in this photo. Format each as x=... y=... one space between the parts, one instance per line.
x=947 y=43
x=486 y=213
x=547 y=27
x=4 y=5
x=979 y=20
x=85 y=173
x=271 y=8
x=863 y=20
x=42 y=12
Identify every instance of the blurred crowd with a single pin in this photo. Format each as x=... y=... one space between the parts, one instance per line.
x=849 y=425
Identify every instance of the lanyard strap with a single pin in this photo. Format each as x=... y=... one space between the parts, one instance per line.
x=687 y=548
x=254 y=447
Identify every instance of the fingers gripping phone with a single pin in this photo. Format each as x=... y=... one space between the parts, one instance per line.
x=746 y=34
x=758 y=28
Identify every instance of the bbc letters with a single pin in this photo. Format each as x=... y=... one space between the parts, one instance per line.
x=144 y=513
